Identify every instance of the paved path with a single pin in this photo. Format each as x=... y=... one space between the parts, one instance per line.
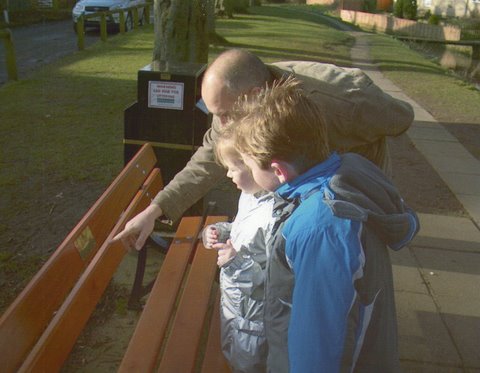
x=40 y=44
x=437 y=279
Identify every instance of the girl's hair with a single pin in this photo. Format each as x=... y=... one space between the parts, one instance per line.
x=280 y=123
x=225 y=146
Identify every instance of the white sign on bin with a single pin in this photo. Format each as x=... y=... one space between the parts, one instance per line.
x=165 y=95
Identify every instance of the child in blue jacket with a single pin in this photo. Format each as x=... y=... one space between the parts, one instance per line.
x=329 y=303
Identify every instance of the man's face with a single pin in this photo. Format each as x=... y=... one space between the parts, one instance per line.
x=267 y=179
x=217 y=98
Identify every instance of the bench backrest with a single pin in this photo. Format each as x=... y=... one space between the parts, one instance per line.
x=30 y=326
x=177 y=331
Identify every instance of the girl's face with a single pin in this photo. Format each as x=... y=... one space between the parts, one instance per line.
x=241 y=175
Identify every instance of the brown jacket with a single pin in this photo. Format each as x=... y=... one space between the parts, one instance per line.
x=359 y=116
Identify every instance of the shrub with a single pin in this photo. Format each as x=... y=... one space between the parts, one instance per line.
x=410 y=9
x=398 y=9
x=370 y=6
x=433 y=19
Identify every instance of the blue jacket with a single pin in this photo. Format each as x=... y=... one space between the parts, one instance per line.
x=329 y=279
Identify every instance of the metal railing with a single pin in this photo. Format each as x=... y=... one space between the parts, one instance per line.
x=10 y=60
x=103 y=21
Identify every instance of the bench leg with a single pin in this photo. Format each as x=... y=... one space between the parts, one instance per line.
x=138 y=289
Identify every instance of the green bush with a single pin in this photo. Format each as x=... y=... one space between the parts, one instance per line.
x=228 y=7
x=405 y=9
x=370 y=6
x=433 y=19
x=398 y=9
x=410 y=9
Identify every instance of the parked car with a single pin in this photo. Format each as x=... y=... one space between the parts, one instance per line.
x=83 y=7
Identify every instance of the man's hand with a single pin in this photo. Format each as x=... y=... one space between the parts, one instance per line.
x=226 y=252
x=138 y=229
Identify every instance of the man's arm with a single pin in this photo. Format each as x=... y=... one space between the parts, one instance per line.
x=199 y=175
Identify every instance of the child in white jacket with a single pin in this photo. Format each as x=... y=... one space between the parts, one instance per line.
x=242 y=257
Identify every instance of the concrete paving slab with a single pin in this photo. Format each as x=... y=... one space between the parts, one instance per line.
x=445 y=163
x=450 y=273
x=423 y=336
x=463 y=320
x=418 y=367
x=447 y=232
x=473 y=203
x=423 y=130
x=420 y=113
x=433 y=124
x=461 y=183
x=406 y=276
x=433 y=149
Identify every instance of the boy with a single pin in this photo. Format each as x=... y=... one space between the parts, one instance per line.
x=329 y=285
x=242 y=258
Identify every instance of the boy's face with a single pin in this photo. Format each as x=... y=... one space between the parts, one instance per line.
x=267 y=179
x=241 y=175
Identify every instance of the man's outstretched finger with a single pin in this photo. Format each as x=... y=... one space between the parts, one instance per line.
x=120 y=236
x=142 y=239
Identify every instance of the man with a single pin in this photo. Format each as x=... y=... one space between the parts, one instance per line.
x=360 y=117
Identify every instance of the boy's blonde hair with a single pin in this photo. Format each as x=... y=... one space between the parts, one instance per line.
x=280 y=123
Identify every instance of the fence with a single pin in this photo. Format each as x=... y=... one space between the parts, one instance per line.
x=103 y=21
x=6 y=36
x=398 y=26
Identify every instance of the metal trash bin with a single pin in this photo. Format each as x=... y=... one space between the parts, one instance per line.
x=168 y=114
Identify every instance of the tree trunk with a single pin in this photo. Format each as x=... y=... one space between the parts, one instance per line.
x=181 y=33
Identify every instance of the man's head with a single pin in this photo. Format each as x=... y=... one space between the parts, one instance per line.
x=280 y=133
x=234 y=73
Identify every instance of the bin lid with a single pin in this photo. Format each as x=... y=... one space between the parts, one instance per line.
x=176 y=68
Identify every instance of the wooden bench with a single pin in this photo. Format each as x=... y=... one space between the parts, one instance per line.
x=41 y=326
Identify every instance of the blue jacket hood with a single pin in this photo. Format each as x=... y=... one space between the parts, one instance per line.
x=353 y=187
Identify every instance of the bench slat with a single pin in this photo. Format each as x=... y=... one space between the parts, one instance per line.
x=184 y=341
x=214 y=360
x=145 y=344
x=29 y=314
x=56 y=342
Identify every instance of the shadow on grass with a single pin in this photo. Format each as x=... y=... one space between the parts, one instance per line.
x=284 y=54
